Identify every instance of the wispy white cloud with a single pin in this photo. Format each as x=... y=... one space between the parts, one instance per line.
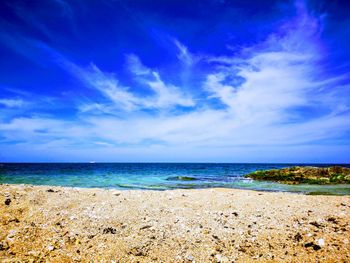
x=183 y=54
x=136 y=67
x=12 y=103
x=273 y=78
x=109 y=86
x=167 y=95
x=161 y=96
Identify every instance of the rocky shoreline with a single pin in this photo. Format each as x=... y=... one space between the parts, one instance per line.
x=59 y=224
x=305 y=175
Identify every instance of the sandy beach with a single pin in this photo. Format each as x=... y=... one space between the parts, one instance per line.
x=58 y=224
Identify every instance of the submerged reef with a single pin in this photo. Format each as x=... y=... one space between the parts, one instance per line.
x=304 y=175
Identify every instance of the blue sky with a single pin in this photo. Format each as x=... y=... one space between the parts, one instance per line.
x=175 y=81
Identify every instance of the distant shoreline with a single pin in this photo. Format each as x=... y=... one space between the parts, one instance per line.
x=319 y=193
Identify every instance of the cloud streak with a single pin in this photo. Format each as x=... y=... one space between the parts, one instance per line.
x=12 y=103
x=161 y=95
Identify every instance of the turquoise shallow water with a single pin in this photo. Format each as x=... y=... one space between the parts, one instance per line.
x=154 y=176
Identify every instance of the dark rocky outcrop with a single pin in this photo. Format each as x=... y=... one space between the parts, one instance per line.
x=305 y=174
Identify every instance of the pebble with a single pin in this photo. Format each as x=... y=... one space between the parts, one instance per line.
x=3 y=246
x=190 y=258
x=298 y=237
x=145 y=227
x=11 y=233
x=321 y=242
x=218 y=258
x=221 y=259
x=314 y=246
x=50 y=247
x=109 y=230
x=7 y=201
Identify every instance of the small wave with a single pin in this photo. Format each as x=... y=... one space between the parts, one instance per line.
x=141 y=187
x=181 y=178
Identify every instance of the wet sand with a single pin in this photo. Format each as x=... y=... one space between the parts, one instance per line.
x=58 y=224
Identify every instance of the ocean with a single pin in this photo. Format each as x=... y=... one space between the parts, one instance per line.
x=154 y=176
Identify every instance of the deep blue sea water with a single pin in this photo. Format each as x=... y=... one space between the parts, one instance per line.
x=153 y=176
